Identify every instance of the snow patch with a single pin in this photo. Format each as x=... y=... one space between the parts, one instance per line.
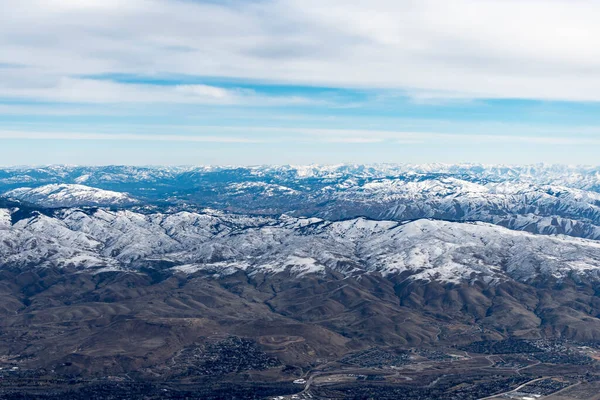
x=5 y=218
x=65 y=195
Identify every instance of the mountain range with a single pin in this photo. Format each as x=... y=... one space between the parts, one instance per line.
x=114 y=270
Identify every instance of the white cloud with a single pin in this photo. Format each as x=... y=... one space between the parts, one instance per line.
x=224 y=134
x=35 y=135
x=539 y=49
x=77 y=90
x=410 y=137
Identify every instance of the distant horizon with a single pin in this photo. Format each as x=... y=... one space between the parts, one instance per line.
x=322 y=165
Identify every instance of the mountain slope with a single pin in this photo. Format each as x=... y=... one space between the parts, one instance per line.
x=317 y=263
x=221 y=243
x=135 y=290
x=68 y=195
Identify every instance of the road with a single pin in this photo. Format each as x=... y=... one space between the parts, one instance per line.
x=516 y=389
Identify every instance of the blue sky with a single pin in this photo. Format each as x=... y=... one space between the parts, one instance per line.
x=299 y=81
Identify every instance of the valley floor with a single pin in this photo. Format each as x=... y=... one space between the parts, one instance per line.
x=444 y=373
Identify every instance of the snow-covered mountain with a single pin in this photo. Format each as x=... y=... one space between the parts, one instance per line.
x=70 y=195
x=445 y=222
x=580 y=177
x=544 y=209
x=537 y=199
x=223 y=244
x=379 y=255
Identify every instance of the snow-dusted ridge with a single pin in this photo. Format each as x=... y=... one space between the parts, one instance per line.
x=538 y=198
x=582 y=177
x=222 y=244
x=70 y=195
x=548 y=200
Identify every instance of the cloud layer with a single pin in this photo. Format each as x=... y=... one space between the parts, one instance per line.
x=258 y=135
x=533 y=49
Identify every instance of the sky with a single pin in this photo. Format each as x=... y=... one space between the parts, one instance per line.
x=190 y=82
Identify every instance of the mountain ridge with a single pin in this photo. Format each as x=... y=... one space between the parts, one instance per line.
x=69 y=195
x=423 y=249
x=222 y=276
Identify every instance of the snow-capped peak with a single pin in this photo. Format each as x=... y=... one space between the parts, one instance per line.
x=423 y=249
x=69 y=195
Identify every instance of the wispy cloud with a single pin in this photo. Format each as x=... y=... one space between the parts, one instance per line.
x=31 y=135
x=221 y=134
x=440 y=80
x=77 y=90
x=430 y=48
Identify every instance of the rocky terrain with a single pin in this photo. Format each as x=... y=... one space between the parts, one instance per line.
x=250 y=279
